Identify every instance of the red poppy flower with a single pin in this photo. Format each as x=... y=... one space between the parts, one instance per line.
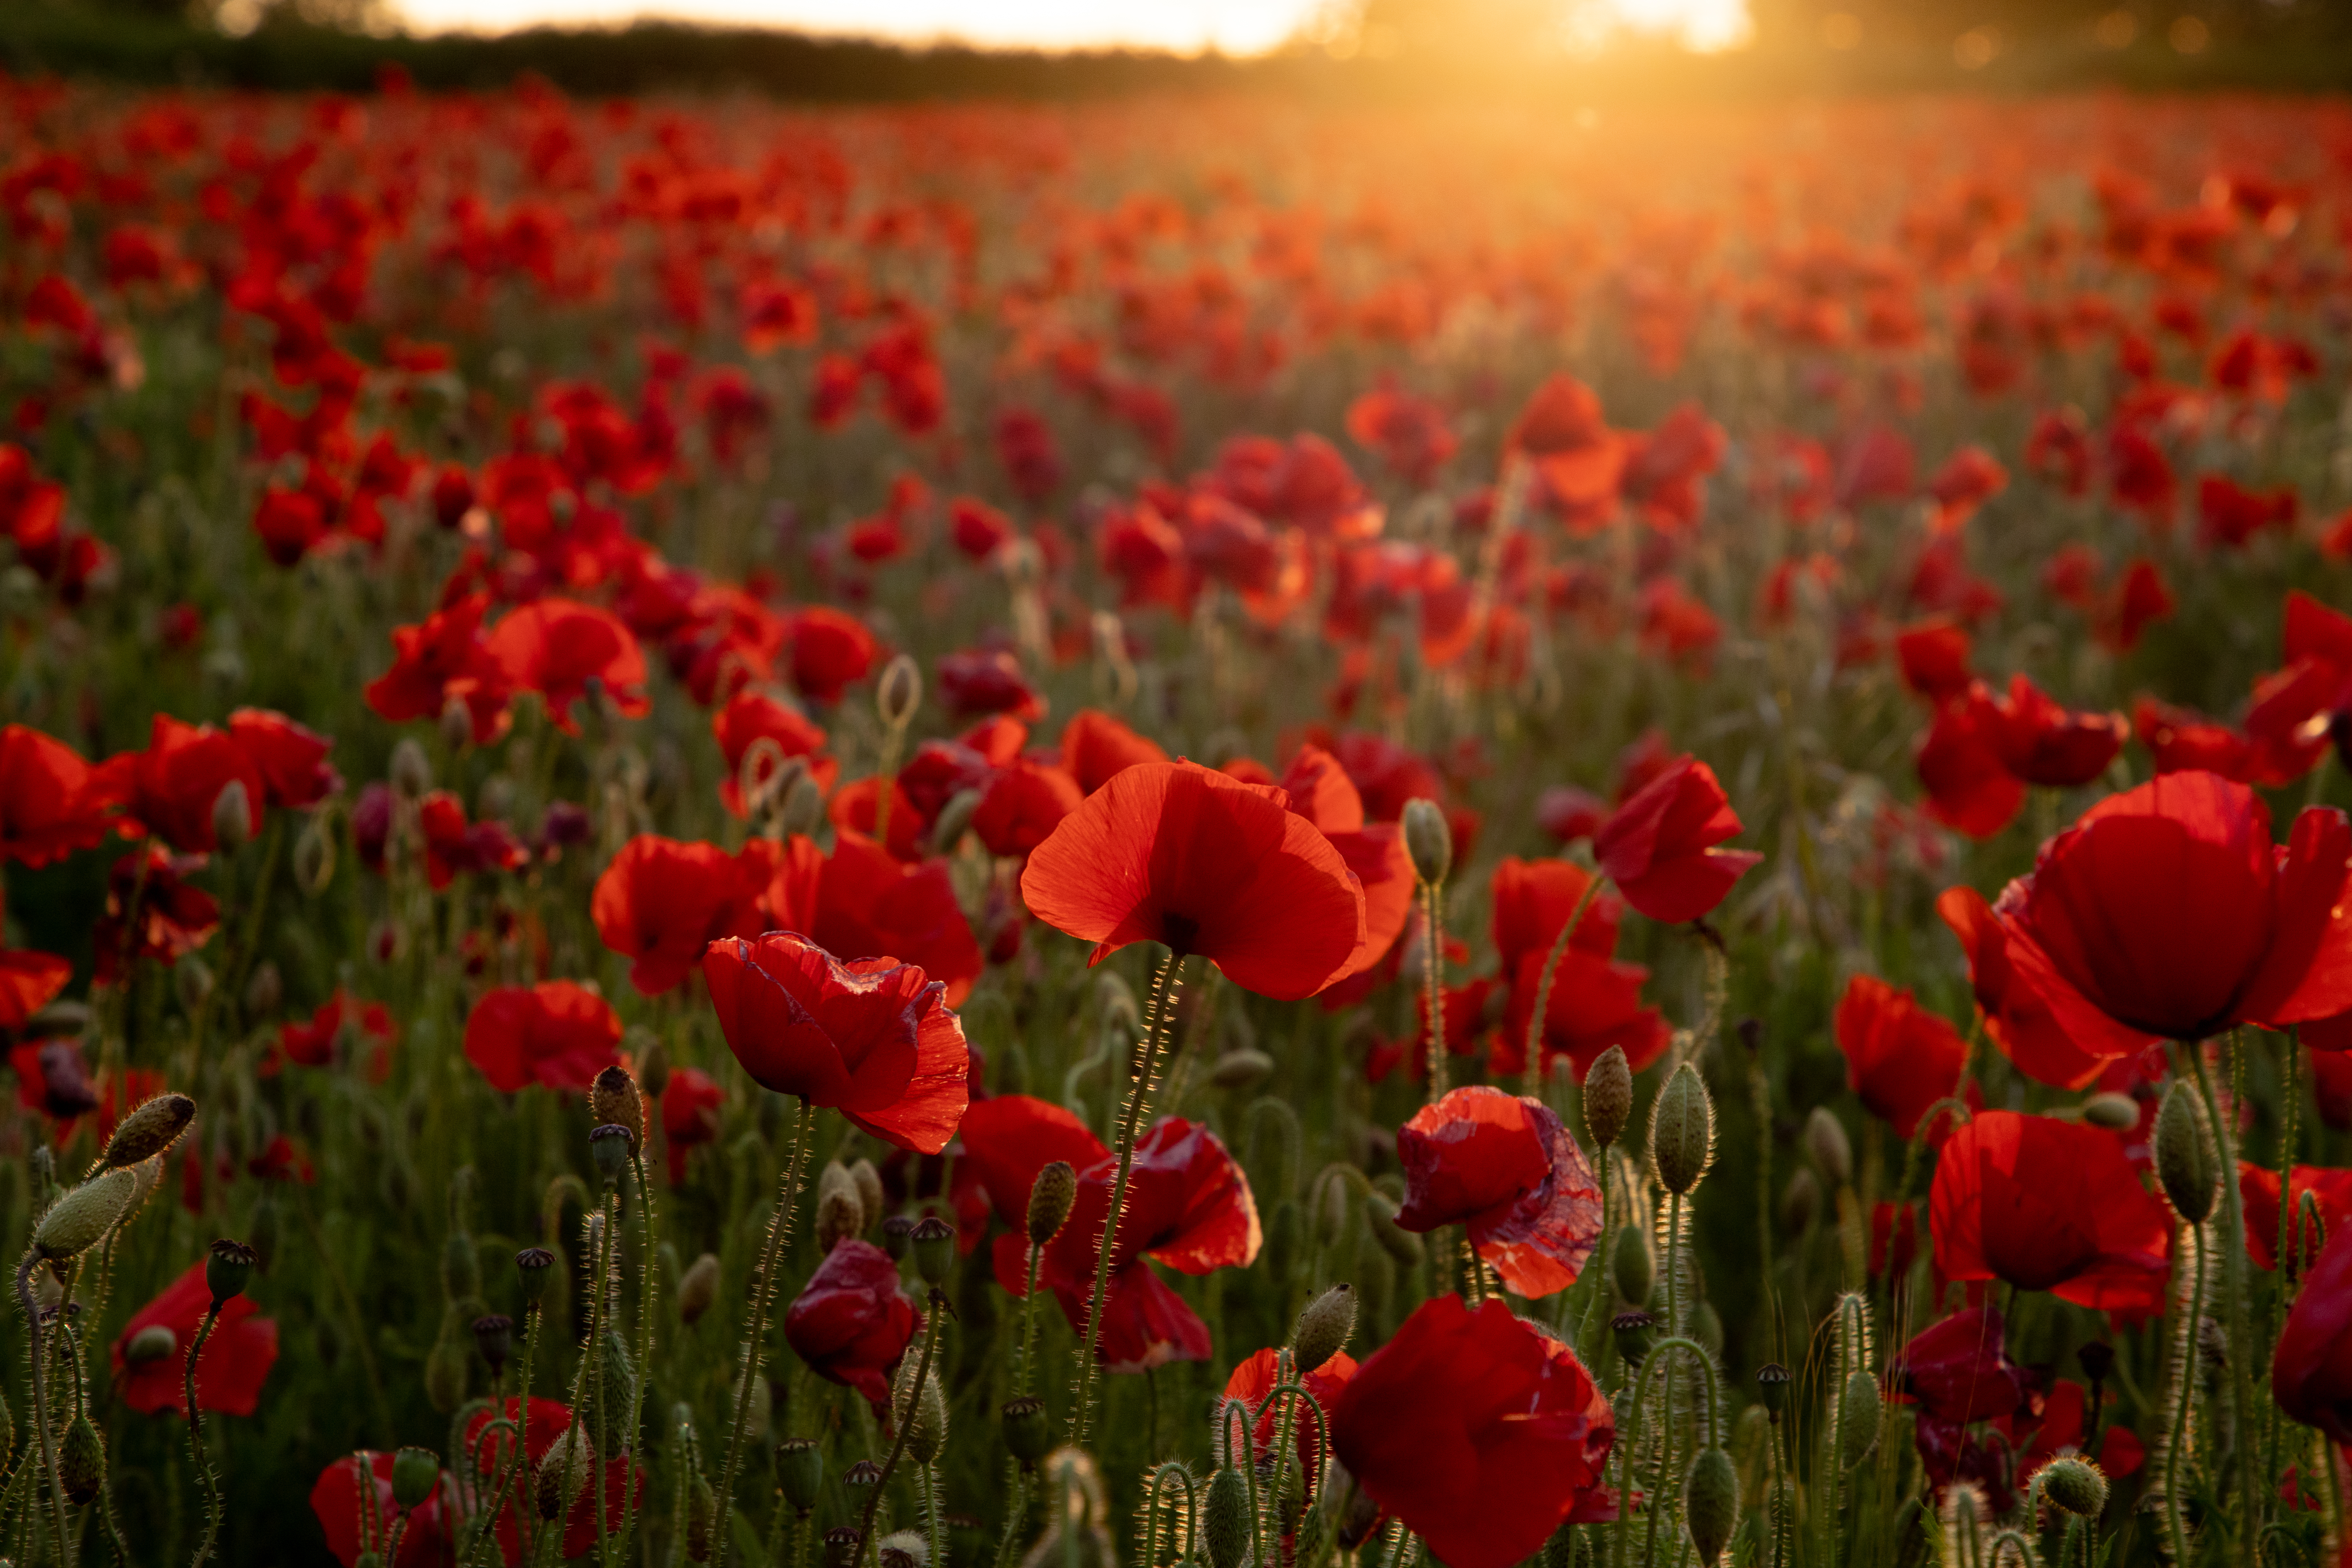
x=1321 y=791
x=691 y=1104
x=1970 y=789
x=313 y=1044
x=1569 y=812
x=30 y=981
x=1253 y=1381
x=2258 y=1187
x=661 y=904
x=2138 y=600
x=152 y=911
x=236 y=1359
x=1894 y=1239
x=2061 y=1428
x=850 y=1323
x=452 y=845
x=1506 y=1169
x=1478 y=1431
x=2053 y=1206
x=830 y=650
x=556 y=647
x=335 y=1500
x=872 y=1038
x=1578 y=458
x=1096 y=746
x=1957 y=1369
x=52 y=802
x=869 y=905
x=2311 y=1370
x=440 y=660
x=1900 y=1058
x=53 y=1079
x=977 y=684
x=549 y=1420
x=750 y=716
x=2015 y=1015
x=170 y=789
x=1659 y=846
x=1024 y=803
x=554 y=1033
x=1007 y=1139
x=1595 y=1001
x=1174 y=853
x=291 y=760
x=2044 y=743
x=2168 y=911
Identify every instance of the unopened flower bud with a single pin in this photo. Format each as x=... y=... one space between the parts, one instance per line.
x=265 y=990
x=614 y=1101
x=1429 y=840
x=1380 y=1218
x=2116 y=1112
x=840 y=1214
x=1324 y=1327
x=1226 y=1520
x=1682 y=1130
x=1772 y=1388
x=2185 y=1166
x=414 y=1472
x=934 y=1245
x=152 y=1343
x=563 y=1473
x=411 y=771
x=456 y=724
x=531 y=1265
x=192 y=981
x=494 y=1337
x=1799 y=1200
x=923 y=1409
x=77 y=1221
x=232 y=816
x=1608 y=1096
x=1244 y=1067
x=800 y=1473
x=899 y=692
x=1633 y=1332
x=698 y=1288
x=897 y=1236
x=802 y=808
x=1632 y=1266
x=609 y=1144
x=147 y=1131
x=954 y=821
x=1832 y=1149
x=1711 y=1503
x=653 y=1067
x=1858 y=1416
x=81 y=1462
x=1351 y=1509
x=314 y=856
x=227 y=1265
x=2076 y=1485
x=1051 y=1197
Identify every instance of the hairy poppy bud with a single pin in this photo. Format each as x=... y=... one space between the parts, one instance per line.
x=653 y=1067
x=698 y=1288
x=1028 y=1430
x=563 y=1473
x=1772 y=1387
x=2116 y=1112
x=1429 y=840
x=609 y=1144
x=314 y=856
x=414 y=1472
x=899 y=692
x=81 y=1462
x=800 y=1473
x=1245 y=1068
x=147 y=1131
x=1324 y=1327
x=456 y=724
x=1226 y=1520
x=494 y=1337
x=192 y=981
x=1858 y=1414
x=151 y=1343
x=232 y=816
x=954 y=821
x=1608 y=1096
x=1051 y=1197
x=923 y=1410
x=934 y=1243
x=897 y=1236
x=840 y=1213
x=1381 y=1215
x=2076 y=1485
x=871 y=1199
x=1799 y=1200
x=227 y=1265
x=77 y=1221
x=1633 y=1332
x=1832 y=1149
x=1706 y=1328
x=411 y=772
x=613 y=1100
x=2185 y=1165
x=1632 y=1266
x=1682 y=1130
x=531 y=1265
x=265 y=989
x=1711 y=1502
x=1352 y=1510
x=803 y=807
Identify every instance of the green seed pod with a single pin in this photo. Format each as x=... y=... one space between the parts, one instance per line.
x=228 y=1264
x=79 y=1220
x=932 y=1241
x=1226 y=1520
x=1682 y=1130
x=2116 y=1112
x=1286 y=1236
x=1634 y=1332
x=954 y=821
x=1772 y=1387
x=898 y=1235
x=899 y=692
x=842 y=1546
x=701 y=1518
x=1634 y=1266
x=1711 y=1503
x=152 y=1343
x=1429 y=840
x=147 y=1131
x=2185 y=1165
x=923 y=1411
x=1608 y=1096
x=800 y=1473
x=698 y=1288
x=1858 y=1413
x=532 y=1266
x=1028 y=1430
x=609 y=1147
x=1832 y=1149
x=1051 y=1197
x=2076 y=1485
x=494 y=1337
x=1324 y=1327
x=414 y=1473
x=1403 y=1246
x=81 y=1461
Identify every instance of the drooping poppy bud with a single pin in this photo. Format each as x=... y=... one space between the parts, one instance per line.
x=698 y=1288
x=1826 y=1142
x=77 y=1221
x=232 y=817
x=1226 y=1520
x=81 y=1462
x=899 y=692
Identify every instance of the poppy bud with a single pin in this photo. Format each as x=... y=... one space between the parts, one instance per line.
x=954 y=821
x=192 y=981
x=1051 y=1197
x=1706 y=1328
x=653 y=1067
x=1711 y=1502
x=1226 y=1520
x=81 y=1462
x=531 y=1265
x=899 y=692
x=1832 y=1149
x=840 y=1214
x=1608 y=1096
x=147 y=1131
x=613 y=1100
x=1682 y=1130
x=1632 y=1266
x=227 y=1265
x=2116 y=1112
x=555 y=1490
x=1379 y=1215
x=923 y=1410
x=265 y=989
x=698 y=1288
x=314 y=856
x=1772 y=1388
x=413 y=1473
x=1350 y=1508
x=609 y=1144
x=1798 y=1201
x=1429 y=840
x=151 y=1343
x=803 y=807
x=1324 y=1328
x=494 y=1337
x=897 y=1236
x=1243 y=1068
x=840 y=1545
x=871 y=1199
x=77 y=1221
x=232 y=816
x=411 y=773
x=933 y=1240
x=1858 y=1415
x=1028 y=1430
x=456 y=724
x=2185 y=1166
x=702 y=1513
x=1633 y=1332
x=2076 y=1485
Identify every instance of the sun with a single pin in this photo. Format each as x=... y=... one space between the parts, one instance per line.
x=1708 y=26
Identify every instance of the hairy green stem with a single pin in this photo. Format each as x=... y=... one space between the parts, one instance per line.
x=41 y=1405
x=213 y=1508
x=764 y=1290
x=2184 y=1390
x=1531 y=1071
x=905 y=1420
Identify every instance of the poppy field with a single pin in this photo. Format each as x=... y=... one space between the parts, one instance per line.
x=1174 y=832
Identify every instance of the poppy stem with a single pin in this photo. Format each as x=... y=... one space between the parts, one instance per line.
x=2283 y=1261
x=41 y=1404
x=2234 y=1285
x=1598 y=1263
x=1029 y=1324
x=1433 y=983
x=599 y=1398
x=1650 y=1362
x=2184 y=1389
x=905 y=1420
x=649 y=1263
x=212 y=1505
x=764 y=1290
x=1144 y=1066
x=1531 y=1073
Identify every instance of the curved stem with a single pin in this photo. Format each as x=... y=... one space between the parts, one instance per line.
x=763 y=1291
x=1531 y=1073
x=1433 y=928
x=2184 y=1390
x=212 y=1505
x=41 y=1404
x=1651 y=1363
x=906 y=1422
x=2235 y=1293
